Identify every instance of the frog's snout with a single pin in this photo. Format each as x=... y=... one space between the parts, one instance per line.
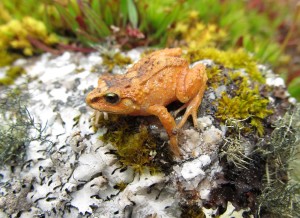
x=92 y=98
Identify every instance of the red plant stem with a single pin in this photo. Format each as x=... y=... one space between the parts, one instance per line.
x=38 y=44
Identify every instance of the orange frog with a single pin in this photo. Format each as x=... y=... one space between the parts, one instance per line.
x=149 y=85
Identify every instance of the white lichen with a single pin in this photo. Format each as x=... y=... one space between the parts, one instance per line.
x=74 y=174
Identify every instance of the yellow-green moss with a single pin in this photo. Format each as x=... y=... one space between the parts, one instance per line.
x=15 y=35
x=134 y=145
x=121 y=186
x=245 y=104
x=194 y=34
x=4 y=14
x=215 y=77
x=238 y=59
x=110 y=61
x=6 y=58
x=11 y=74
x=192 y=211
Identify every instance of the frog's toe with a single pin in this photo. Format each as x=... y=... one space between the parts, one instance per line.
x=174 y=146
x=195 y=117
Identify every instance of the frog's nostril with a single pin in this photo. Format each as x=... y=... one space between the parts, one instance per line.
x=94 y=99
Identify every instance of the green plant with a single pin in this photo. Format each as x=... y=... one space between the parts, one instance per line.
x=156 y=18
x=249 y=29
x=91 y=21
x=294 y=88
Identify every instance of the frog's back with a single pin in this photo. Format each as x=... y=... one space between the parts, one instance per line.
x=150 y=66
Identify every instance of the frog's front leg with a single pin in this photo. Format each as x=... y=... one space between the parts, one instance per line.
x=169 y=124
x=190 y=87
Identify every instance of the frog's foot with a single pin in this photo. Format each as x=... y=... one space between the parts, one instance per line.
x=174 y=145
x=180 y=109
x=192 y=109
x=169 y=124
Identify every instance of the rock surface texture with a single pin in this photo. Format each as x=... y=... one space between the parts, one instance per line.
x=74 y=173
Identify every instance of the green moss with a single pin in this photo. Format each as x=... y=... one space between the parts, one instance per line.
x=192 y=211
x=15 y=71
x=215 y=77
x=230 y=59
x=7 y=58
x=121 y=186
x=5 y=81
x=134 y=145
x=242 y=100
x=117 y=59
x=19 y=34
x=11 y=74
x=76 y=120
x=244 y=104
x=195 y=34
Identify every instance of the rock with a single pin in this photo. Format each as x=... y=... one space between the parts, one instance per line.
x=73 y=173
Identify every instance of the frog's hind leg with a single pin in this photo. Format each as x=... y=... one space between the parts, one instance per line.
x=192 y=109
x=191 y=85
x=169 y=124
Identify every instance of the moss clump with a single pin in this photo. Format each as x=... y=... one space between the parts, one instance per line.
x=6 y=58
x=11 y=74
x=215 y=77
x=194 y=34
x=134 y=145
x=244 y=103
x=17 y=35
x=117 y=59
x=120 y=186
x=192 y=211
x=229 y=59
x=242 y=100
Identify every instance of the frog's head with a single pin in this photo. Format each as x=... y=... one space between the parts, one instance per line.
x=110 y=99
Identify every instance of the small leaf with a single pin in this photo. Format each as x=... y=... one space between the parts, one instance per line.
x=132 y=12
x=294 y=88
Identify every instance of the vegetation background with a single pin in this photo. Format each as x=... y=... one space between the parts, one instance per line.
x=269 y=29
x=236 y=34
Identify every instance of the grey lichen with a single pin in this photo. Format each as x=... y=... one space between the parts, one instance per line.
x=236 y=148
x=15 y=127
x=281 y=193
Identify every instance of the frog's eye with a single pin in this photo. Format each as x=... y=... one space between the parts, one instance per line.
x=112 y=98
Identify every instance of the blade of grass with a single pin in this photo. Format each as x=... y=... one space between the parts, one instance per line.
x=108 y=16
x=66 y=17
x=168 y=20
x=132 y=12
x=124 y=12
x=95 y=23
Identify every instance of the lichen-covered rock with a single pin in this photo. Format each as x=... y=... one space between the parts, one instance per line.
x=79 y=169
